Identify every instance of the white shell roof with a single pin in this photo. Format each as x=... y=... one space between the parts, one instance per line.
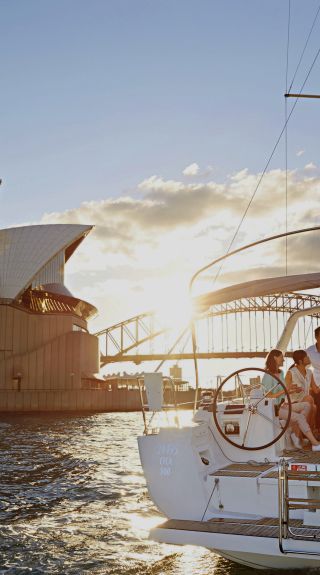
x=24 y=251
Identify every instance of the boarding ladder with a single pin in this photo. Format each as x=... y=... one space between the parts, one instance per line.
x=290 y=528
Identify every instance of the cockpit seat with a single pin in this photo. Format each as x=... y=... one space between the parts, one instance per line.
x=234 y=408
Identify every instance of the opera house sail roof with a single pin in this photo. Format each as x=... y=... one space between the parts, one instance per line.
x=48 y=357
x=32 y=260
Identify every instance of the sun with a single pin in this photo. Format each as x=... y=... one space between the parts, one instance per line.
x=174 y=308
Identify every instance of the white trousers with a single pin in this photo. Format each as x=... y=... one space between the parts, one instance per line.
x=299 y=414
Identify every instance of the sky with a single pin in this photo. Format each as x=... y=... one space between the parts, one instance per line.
x=152 y=120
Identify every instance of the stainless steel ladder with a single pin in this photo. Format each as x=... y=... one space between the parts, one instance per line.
x=287 y=503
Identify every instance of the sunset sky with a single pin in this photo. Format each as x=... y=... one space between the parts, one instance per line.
x=153 y=120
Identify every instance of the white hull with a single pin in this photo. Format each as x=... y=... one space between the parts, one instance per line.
x=255 y=552
x=220 y=507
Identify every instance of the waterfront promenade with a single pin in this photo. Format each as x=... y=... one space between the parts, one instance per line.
x=80 y=400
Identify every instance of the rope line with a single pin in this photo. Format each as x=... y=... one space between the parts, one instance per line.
x=288 y=43
x=266 y=166
x=286 y=139
x=216 y=482
x=304 y=49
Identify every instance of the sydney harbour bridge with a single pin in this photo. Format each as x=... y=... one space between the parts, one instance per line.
x=244 y=327
x=243 y=320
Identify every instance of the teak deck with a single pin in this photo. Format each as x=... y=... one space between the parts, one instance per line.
x=265 y=527
x=256 y=469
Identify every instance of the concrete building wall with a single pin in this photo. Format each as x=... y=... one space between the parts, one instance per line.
x=78 y=400
x=22 y=331
x=43 y=352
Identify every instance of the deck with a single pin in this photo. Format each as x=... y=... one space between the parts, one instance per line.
x=268 y=470
x=264 y=527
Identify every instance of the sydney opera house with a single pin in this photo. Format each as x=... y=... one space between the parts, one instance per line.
x=47 y=356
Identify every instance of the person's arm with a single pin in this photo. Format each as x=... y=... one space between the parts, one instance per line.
x=313 y=386
x=291 y=387
x=277 y=394
x=288 y=379
x=274 y=394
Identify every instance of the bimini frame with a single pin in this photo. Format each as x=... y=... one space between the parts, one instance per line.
x=221 y=259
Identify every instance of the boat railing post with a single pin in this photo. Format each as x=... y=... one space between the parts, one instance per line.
x=281 y=498
x=286 y=498
x=142 y=407
x=175 y=403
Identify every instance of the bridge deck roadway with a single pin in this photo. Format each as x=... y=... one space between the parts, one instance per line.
x=176 y=356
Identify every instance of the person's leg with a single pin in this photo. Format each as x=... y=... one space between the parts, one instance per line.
x=313 y=411
x=304 y=426
x=295 y=434
x=316 y=398
x=302 y=407
x=298 y=417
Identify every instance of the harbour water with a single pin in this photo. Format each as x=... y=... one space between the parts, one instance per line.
x=73 y=500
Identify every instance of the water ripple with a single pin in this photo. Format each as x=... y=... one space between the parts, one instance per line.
x=73 y=500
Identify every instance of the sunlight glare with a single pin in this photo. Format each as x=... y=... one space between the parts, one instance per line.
x=173 y=308
x=143 y=523
x=174 y=418
x=197 y=561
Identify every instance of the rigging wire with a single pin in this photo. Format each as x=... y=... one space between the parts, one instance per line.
x=288 y=43
x=286 y=137
x=266 y=166
x=281 y=133
x=288 y=90
x=304 y=49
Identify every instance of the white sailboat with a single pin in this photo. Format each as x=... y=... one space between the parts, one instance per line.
x=228 y=482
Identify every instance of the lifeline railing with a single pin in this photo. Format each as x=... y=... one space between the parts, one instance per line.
x=145 y=407
x=287 y=503
x=154 y=398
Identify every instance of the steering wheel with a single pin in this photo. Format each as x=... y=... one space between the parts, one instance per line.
x=251 y=406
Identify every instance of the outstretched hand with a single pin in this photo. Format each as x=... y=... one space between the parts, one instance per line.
x=296 y=388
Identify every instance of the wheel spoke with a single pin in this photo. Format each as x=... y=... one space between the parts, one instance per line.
x=246 y=431
x=271 y=420
x=249 y=407
x=267 y=394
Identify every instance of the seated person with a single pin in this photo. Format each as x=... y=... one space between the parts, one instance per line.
x=314 y=354
x=300 y=410
x=274 y=361
x=299 y=380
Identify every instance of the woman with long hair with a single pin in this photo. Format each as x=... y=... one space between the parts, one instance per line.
x=300 y=381
x=274 y=362
x=300 y=410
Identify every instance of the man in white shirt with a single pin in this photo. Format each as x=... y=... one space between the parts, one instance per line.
x=314 y=354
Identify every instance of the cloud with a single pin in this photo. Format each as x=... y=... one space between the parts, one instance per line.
x=239 y=176
x=171 y=209
x=310 y=166
x=191 y=170
x=139 y=244
x=170 y=205
x=166 y=206
x=303 y=251
x=208 y=171
x=300 y=153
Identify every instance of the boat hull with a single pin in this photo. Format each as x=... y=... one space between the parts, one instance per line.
x=255 y=552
